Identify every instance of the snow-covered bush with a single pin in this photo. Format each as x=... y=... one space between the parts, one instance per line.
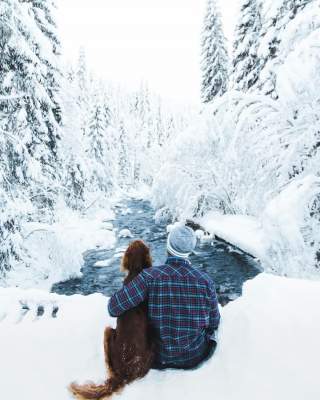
x=292 y=223
x=54 y=251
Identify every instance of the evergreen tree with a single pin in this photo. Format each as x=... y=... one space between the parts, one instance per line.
x=74 y=184
x=9 y=234
x=43 y=14
x=214 y=55
x=159 y=124
x=96 y=133
x=269 y=57
x=82 y=72
x=124 y=161
x=29 y=86
x=100 y=144
x=96 y=145
x=83 y=91
x=245 y=59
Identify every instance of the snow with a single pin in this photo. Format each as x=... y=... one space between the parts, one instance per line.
x=268 y=347
x=103 y=263
x=247 y=164
x=279 y=237
x=55 y=250
x=242 y=231
x=125 y=233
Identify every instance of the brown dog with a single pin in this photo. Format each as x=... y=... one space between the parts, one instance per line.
x=128 y=348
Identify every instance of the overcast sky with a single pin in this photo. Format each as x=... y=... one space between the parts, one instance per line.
x=127 y=41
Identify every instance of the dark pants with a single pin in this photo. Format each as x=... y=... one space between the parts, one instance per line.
x=192 y=364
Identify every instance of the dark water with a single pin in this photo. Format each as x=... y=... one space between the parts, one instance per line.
x=228 y=268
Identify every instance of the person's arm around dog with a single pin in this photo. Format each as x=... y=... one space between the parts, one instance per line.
x=130 y=296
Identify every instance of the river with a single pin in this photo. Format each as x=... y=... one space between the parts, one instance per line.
x=228 y=268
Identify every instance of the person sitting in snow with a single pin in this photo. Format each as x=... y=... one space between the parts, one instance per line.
x=182 y=305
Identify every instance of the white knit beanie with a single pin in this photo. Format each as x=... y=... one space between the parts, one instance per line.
x=181 y=241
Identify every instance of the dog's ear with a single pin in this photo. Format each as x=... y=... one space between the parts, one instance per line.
x=124 y=267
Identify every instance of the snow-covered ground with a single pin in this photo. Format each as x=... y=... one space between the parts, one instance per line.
x=268 y=347
x=242 y=231
x=55 y=250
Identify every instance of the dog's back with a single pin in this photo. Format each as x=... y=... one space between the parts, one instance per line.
x=130 y=350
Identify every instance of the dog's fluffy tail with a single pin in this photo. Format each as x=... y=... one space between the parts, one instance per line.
x=92 y=391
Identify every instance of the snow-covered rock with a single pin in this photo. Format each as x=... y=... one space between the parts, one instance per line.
x=268 y=347
x=103 y=263
x=126 y=211
x=125 y=233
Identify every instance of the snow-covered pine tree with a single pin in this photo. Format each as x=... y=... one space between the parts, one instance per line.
x=74 y=183
x=148 y=117
x=124 y=161
x=44 y=16
x=9 y=234
x=15 y=58
x=96 y=146
x=290 y=8
x=83 y=91
x=27 y=78
x=110 y=138
x=245 y=68
x=214 y=64
x=159 y=124
x=73 y=157
x=82 y=72
x=275 y=21
x=30 y=115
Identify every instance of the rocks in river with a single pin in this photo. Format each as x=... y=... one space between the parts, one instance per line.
x=119 y=252
x=169 y=228
x=118 y=255
x=125 y=233
x=203 y=237
x=126 y=211
x=102 y=263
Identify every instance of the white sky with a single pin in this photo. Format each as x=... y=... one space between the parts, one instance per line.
x=128 y=41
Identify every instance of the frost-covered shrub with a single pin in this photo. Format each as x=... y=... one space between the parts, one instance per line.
x=12 y=250
x=189 y=183
x=292 y=221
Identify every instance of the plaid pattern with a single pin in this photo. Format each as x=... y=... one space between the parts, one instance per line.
x=182 y=309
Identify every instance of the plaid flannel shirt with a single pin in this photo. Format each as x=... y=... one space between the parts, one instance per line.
x=182 y=309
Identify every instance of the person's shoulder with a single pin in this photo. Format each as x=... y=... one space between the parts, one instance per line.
x=152 y=272
x=203 y=277
x=155 y=272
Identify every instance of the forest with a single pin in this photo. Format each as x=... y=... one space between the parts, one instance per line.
x=88 y=164
x=69 y=139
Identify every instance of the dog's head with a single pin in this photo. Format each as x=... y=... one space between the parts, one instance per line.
x=136 y=258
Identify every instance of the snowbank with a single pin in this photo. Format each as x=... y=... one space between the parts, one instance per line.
x=55 y=251
x=243 y=231
x=268 y=349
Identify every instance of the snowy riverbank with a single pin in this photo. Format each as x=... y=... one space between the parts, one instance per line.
x=54 y=251
x=280 y=236
x=268 y=347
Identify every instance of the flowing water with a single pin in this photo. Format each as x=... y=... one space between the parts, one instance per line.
x=228 y=268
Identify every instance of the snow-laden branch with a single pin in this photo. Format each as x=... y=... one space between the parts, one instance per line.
x=12 y=97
